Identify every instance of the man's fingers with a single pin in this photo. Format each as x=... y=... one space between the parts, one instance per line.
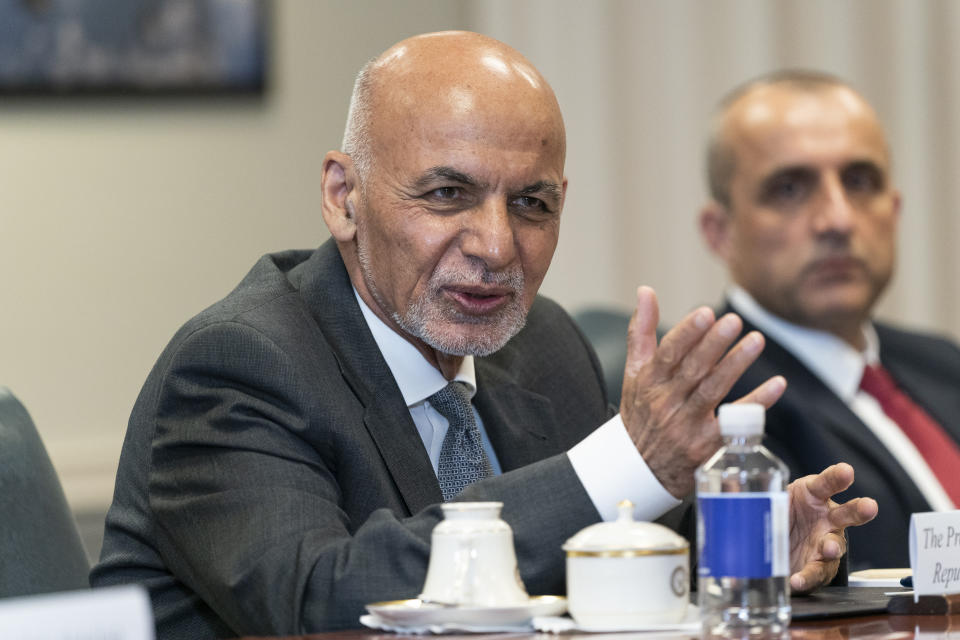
x=867 y=509
x=767 y=393
x=854 y=513
x=815 y=573
x=830 y=481
x=714 y=387
x=642 y=332
x=811 y=576
x=807 y=578
x=678 y=342
x=704 y=354
x=832 y=546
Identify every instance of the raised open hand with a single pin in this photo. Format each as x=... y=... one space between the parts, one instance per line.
x=671 y=390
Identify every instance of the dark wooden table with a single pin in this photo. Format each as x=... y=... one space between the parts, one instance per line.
x=872 y=627
x=832 y=613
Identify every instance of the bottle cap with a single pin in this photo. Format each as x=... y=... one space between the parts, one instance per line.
x=741 y=419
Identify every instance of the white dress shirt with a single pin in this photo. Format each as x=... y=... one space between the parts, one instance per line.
x=606 y=461
x=840 y=367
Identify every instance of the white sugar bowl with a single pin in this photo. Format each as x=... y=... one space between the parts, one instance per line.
x=627 y=574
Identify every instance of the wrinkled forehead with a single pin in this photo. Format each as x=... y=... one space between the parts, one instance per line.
x=473 y=114
x=509 y=148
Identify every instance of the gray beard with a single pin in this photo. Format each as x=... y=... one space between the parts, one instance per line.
x=431 y=321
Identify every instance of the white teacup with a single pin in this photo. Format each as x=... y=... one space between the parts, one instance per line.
x=472 y=560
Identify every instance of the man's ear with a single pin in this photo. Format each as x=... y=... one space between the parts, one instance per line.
x=897 y=204
x=715 y=227
x=338 y=186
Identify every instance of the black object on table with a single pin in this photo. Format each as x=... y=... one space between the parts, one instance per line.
x=840 y=602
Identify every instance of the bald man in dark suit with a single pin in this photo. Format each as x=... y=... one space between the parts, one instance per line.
x=286 y=460
x=804 y=214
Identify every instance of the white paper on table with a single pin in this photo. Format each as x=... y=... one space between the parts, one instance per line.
x=117 y=613
x=373 y=621
x=564 y=624
x=935 y=553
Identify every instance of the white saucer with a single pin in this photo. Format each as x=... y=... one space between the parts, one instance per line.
x=557 y=624
x=415 y=613
x=877 y=577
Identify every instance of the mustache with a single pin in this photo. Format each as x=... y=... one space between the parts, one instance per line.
x=511 y=278
x=825 y=257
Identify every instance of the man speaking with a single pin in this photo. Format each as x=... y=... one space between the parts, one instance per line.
x=284 y=463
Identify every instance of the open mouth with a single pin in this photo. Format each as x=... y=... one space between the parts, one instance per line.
x=479 y=300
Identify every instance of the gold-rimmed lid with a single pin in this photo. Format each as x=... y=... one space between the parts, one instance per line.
x=625 y=537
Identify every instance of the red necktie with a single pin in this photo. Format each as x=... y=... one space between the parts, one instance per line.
x=937 y=448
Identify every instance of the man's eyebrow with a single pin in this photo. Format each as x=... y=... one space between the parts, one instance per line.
x=550 y=189
x=865 y=163
x=433 y=174
x=792 y=170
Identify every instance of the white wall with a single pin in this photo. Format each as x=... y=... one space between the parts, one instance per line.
x=120 y=219
x=637 y=80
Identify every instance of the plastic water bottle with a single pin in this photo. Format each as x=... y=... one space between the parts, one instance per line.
x=743 y=533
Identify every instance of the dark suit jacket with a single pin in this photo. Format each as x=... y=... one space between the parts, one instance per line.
x=811 y=428
x=273 y=482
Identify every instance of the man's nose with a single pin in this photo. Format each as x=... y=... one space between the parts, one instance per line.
x=489 y=234
x=834 y=212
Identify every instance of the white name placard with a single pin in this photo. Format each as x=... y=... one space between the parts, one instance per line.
x=935 y=552
x=114 y=613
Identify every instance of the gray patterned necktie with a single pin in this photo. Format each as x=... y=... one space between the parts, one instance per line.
x=462 y=458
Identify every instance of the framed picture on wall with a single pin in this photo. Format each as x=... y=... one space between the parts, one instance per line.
x=111 y=47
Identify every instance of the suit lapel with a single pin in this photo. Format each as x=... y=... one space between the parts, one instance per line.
x=827 y=409
x=516 y=420
x=803 y=384
x=325 y=287
x=941 y=400
x=389 y=423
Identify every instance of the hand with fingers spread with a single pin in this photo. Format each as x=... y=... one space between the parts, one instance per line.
x=817 y=523
x=671 y=390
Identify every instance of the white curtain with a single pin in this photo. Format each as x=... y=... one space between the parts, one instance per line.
x=637 y=80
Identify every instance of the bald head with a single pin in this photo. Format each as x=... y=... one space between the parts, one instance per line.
x=448 y=74
x=740 y=104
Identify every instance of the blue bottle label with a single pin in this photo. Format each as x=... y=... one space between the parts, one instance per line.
x=743 y=535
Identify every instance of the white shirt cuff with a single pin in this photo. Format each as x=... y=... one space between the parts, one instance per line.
x=611 y=469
